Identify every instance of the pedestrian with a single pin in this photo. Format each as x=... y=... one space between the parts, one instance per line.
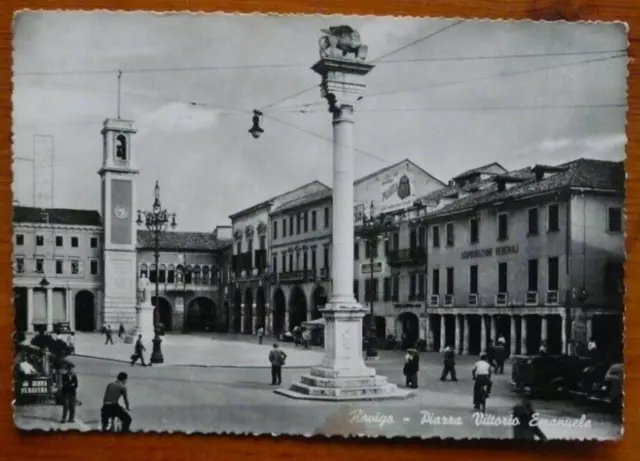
x=592 y=347
x=411 y=367
x=121 y=331
x=500 y=352
x=491 y=354
x=501 y=340
x=260 y=333
x=109 y=334
x=543 y=347
x=525 y=428
x=449 y=362
x=138 y=352
x=69 y=391
x=71 y=343
x=306 y=338
x=277 y=358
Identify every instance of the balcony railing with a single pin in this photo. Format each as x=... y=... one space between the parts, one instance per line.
x=434 y=300
x=415 y=255
x=294 y=276
x=325 y=273
x=531 y=298
x=552 y=298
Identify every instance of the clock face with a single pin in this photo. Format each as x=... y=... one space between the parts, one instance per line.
x=120 y=212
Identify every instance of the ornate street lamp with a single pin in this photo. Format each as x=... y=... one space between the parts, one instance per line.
x=157 y=222
x=373 y=230
x=256 y=131
x=580 y=297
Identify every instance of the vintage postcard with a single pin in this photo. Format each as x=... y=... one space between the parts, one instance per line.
x=319 y=225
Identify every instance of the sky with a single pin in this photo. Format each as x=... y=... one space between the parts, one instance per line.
x=448 y=95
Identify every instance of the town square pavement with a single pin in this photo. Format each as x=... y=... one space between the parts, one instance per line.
x=239 y=399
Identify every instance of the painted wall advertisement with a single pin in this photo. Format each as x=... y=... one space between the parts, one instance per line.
x=397 y=191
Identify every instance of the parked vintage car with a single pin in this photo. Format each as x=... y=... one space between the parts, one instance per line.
x=591 y=378
x=610 y=389
x=549 y=375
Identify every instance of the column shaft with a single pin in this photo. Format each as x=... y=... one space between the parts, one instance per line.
x=523 y=335
x=30 y=310
x=443 y=332
x=483 y=334
x=458 y=338
x=465 y=341
x=49 y=300
x=512 y=336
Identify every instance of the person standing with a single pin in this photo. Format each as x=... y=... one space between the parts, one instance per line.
x=138 y=352
x=412 y=365
x=277 y=358
x=260 y=334
x=500 y=356
x=69 y=392
x=109 y=335
x=121 y=331
x=449 y=362
x=523 y=413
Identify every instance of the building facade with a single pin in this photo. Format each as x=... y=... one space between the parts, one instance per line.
x=534 y=255
x=251 y=274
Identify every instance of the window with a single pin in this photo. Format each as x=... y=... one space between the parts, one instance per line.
x=502 y=278
x=40 y=265
x=290 y=225
x=375 y=289
x=206 y=279
x=93 y=267
x=503 y=226
x=450 y=236
x=284 y=262
x=298 y=223
x=356 y=251
x=59 y=241
x=313 y=260
x=274 y=263
x=412 y=287
x=450 y=282
x=306 y=221
x=144 y=271
x=474 y=230
x=327 y=223
x=435 y=282
x=395 y=293
x=370 y=290
x=274 y=230
x=396 y=241
x=20 y=265
x=313 y=220
x=613 y=279
x=305 y=260
x=435 y=235
x=422 y=237
x=291 y=267
x=196 y=275
x=284 y=227
x=249 y=246
x=59 y=266
x=75 y=267
x=39 y=240
x=533 y=221
x=356 y=289
x=74 y=242
x=554 y=218
x=94 y=242
x=421 y=290
x=19 y=240
x=473 y=280
x=263 y=242
x=386 y=289
x=413 y=238
x=371 y=250
x=554 y=273
x=326 y=256
x=239 y=248
x=615 y=219
x=532 y=270
x=162 y=273
x=171 y=274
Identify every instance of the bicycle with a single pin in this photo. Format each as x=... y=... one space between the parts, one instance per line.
x=483 y=399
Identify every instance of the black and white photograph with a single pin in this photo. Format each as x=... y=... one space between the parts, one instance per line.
x=351 y=226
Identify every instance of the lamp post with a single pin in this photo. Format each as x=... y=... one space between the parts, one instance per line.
x=579 y=327
x=373 y=230
x=157 y=222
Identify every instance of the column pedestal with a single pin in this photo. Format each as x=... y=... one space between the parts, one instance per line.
x=144 y=323
x=342 y=375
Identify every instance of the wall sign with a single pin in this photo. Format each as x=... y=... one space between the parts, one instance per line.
x=488 y=252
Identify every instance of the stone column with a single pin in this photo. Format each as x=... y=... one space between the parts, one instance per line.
x=492 y=319
x=564 y=334
x=523 y=335
x=458 y=338
x=49 y=299
x=443 y=332
x=286 y=322
x=254 y=317
x=30 y=310
x=512 y=336
x=465 y=341
x=268 y=320
x=483 y=334
x=242 y=316
x=544 y=328
x=589 y=322
x=428 y=332
x=71 y=318
x=342 y=374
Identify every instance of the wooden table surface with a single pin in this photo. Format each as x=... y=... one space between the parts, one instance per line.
x=147 y=447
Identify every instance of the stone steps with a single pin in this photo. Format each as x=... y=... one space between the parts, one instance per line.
x=363 y=382
x=304 y=391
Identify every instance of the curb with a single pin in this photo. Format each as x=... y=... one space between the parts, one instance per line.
x=192 y=365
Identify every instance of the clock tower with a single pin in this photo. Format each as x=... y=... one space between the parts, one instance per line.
x=118 y=175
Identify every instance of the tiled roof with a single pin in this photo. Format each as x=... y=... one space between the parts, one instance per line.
x=581 y=173
x=62 y=216
x=194 y=241
x=479 y=169
x=307 y=199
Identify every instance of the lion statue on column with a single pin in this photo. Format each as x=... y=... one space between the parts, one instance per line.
x=342 y=42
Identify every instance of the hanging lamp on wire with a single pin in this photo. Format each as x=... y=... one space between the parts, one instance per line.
x=256 y=131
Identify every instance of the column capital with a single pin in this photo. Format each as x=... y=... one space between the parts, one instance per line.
x=343 y=83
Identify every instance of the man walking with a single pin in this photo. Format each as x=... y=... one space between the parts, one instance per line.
x=110 y=403
x=260 y=333
x=109 y=334
x=449 y=362
x=277 y=358
x=138 y=352
x=69 y=392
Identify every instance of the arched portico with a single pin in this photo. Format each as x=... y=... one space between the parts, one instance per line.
x=248 y=305
x=164 y=312
x=297 y=307
x=279 y=312
x=407 y=326
x=318 y=301
x=236 y=323
x=201 y=314
x=85 y=311
x=261 y=310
